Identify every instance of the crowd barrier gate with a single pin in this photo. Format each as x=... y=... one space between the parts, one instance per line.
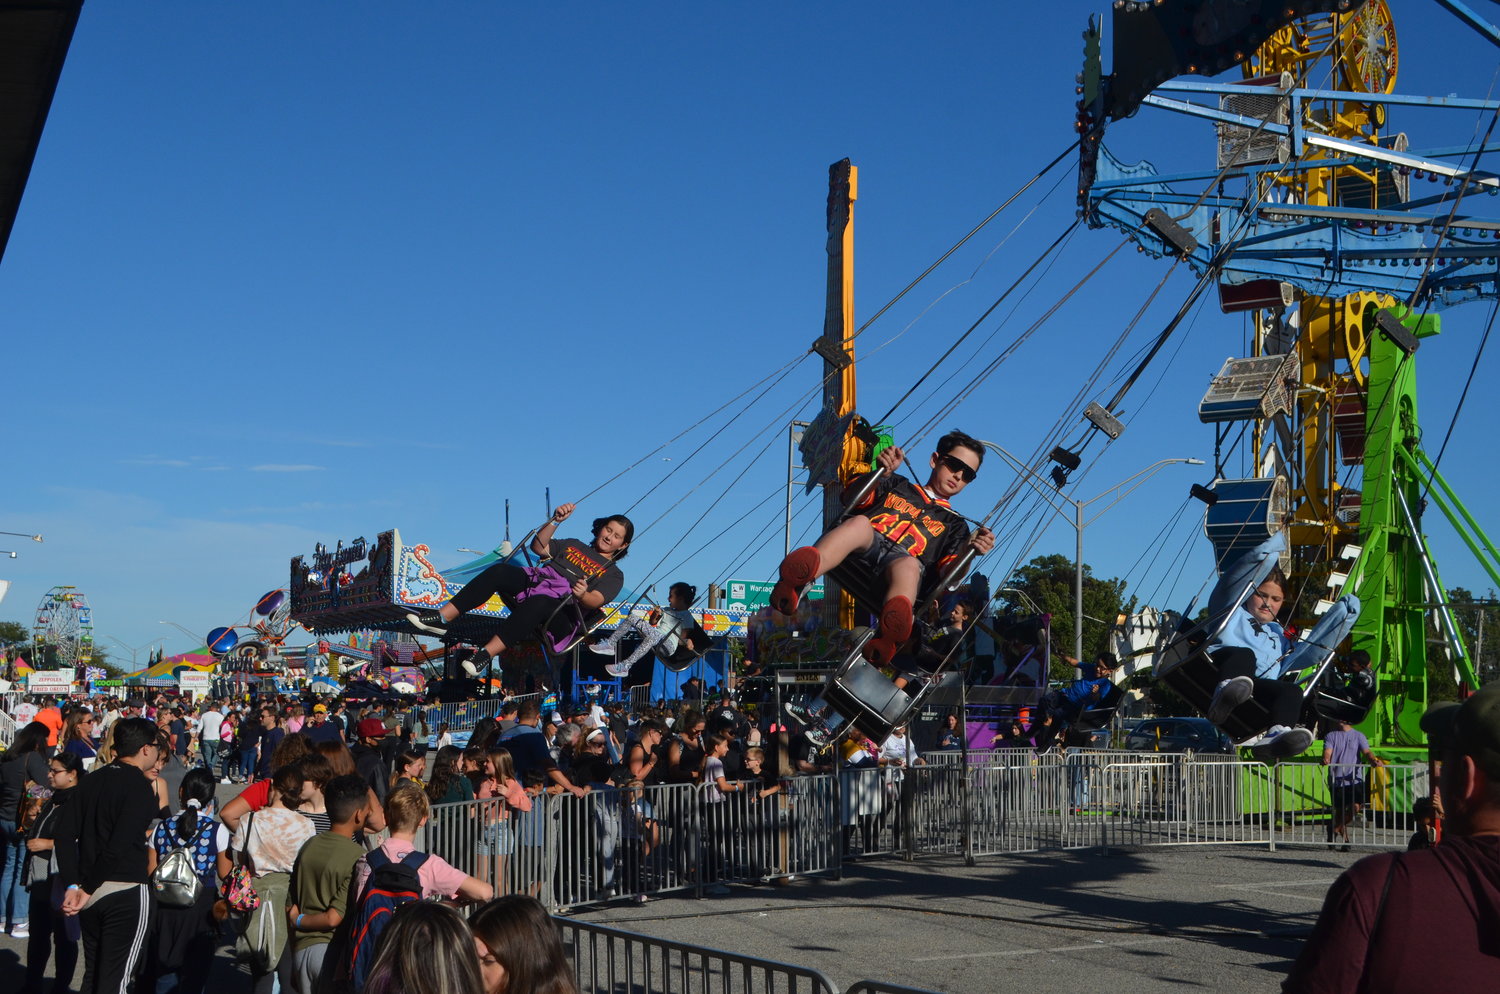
x=620 y=962
x=651 y=841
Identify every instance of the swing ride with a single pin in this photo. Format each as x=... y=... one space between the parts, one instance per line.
x=1312 y=224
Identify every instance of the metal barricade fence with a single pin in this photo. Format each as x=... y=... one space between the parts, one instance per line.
x=7 y=729
x=638 y=842
x=461 y=715
x=608 y=959
x=1358 y=806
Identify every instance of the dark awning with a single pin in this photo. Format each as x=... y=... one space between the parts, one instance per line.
x=34 y=39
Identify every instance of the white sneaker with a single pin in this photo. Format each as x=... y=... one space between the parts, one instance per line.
x=601 y=648
x=22 y=930
x=225 y=780
x=1281 y=742
x=617 y=669
x=1228 y=695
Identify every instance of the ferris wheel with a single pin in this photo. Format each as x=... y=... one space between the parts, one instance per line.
x=65 y=622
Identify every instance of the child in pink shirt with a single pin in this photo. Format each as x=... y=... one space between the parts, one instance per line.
x=406 y=811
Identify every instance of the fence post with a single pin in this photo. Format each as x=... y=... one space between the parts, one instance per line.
x=1275 y=806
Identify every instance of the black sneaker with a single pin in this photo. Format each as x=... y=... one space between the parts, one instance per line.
x=428 y=621
x=477 y=664
x=801 y=713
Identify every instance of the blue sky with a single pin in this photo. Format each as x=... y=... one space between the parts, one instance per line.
x=290 y=273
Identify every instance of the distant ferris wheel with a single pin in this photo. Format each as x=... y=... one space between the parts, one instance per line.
x=65 y=622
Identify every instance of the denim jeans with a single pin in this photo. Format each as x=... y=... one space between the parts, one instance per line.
x=14 y=899
x=210 y=750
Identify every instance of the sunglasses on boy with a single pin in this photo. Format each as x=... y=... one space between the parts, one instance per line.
x=957 y=467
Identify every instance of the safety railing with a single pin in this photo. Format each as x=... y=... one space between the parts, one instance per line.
x=639 y=842
x=617 y=843
x=1360 y=806
x=463 y=715
x=609 y=959
x=620 y=962
x=8 y=729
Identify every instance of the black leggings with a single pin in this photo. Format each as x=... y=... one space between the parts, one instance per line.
x=527 y=616
x=1282 y=698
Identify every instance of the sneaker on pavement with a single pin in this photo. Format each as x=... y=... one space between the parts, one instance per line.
x=428 y=621
x=1228 y=695
x=798 y=569
x=477 y=664
x=22 y=930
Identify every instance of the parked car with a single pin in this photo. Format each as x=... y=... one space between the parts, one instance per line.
x=1177 y=735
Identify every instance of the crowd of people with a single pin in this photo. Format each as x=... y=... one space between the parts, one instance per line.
x=322 y=785
x=100 y=861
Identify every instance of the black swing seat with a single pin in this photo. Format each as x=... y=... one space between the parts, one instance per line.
x=1345 y=698
x=1102 y=713
x=859 y=691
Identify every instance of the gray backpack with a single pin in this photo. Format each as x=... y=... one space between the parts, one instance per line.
x=176 y=881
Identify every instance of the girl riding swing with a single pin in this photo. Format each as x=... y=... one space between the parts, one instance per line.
x=584 y=572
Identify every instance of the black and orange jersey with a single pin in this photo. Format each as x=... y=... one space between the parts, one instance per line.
x=925 y=526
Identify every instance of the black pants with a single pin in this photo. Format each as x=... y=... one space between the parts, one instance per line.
x=1281 y=698
x=48 y=935
x=526 y=617
x=116 y=930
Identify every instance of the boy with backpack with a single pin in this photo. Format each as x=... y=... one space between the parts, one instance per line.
x=394 y=874
x=318 y=899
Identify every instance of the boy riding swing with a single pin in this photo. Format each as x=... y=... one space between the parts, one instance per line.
x=900 y=530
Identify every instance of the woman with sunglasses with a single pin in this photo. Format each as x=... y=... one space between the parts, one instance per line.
x=78 y=736
x=50 y=928
x=901 y=530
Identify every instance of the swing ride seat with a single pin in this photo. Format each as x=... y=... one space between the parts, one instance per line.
x=858 y=690
x=1188 y=669
x=1185 y=665
x=1101 y=714
x=1345 y=698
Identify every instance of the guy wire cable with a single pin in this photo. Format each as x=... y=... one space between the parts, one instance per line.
x=961 y=242
x=784 y=371
x=1004 y=322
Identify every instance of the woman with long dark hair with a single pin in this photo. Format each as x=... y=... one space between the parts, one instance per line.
x=520 y=948
x=23 y=764
x=185 y=936
x=50 y=928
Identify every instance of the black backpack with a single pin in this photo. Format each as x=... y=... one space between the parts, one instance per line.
x=391 y=884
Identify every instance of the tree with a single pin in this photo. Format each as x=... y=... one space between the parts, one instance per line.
x=14 y=633
x=1047 y=582
x=1479 y=624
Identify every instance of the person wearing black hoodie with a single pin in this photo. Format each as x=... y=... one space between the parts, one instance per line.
x=1426 y=920
x=101 y=859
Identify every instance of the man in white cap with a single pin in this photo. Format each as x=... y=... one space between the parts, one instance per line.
x=1427 y=920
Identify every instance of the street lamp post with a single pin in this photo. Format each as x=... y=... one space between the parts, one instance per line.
x=188 y=633
x=1048 y=494
x=134 y=650
x=34 y=538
